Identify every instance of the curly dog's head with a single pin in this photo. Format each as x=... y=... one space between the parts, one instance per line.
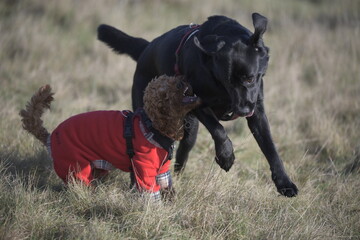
x=166 y=101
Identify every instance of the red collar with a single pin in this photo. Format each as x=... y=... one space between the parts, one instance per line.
x=193 y=28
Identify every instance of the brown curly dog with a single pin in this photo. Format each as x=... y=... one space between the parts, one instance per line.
x=90 y=144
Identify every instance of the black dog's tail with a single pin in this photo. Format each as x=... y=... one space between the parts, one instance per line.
x=120 y=42
x=31 y=115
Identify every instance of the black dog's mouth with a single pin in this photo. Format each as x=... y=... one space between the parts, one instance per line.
x=189 y=96
x=229 y=116
x=232 y=116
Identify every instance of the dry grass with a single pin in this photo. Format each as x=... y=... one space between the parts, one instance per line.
x=312 y=99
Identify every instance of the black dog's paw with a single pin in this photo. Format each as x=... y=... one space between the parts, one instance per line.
x=285 y=186
x=290 y=191
x=225 y=155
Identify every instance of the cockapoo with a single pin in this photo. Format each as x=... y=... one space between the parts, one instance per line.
x=88 y=145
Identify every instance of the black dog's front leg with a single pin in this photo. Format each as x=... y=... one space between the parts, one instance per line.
x=259 y=126
x=191 y=124
x=223 y=146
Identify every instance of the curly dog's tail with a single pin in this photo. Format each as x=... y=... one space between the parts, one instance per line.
x=31 y=115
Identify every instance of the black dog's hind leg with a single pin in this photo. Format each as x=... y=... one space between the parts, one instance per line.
x=259 y=126
x=191 y=125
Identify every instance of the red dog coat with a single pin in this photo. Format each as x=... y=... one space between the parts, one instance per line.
x=79 y=142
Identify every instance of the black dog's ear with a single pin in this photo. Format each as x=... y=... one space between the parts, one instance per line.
x=260 y=24
x=210 y=44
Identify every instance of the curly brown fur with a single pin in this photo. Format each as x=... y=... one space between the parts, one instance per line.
x=165 y=106
x=31 y=115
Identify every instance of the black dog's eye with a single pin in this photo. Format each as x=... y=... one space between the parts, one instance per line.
x=256 y=49
x=248 y=79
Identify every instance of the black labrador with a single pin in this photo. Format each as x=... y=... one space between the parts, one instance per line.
x=225 y=64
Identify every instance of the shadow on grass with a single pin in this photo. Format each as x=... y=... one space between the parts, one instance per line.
x=354 y=165
x=34 y=171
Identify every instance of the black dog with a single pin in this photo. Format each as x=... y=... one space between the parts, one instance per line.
x=225 y=64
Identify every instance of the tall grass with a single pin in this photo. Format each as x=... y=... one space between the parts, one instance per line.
x=312 y=91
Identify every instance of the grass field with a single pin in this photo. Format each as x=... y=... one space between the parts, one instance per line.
x=312 y=91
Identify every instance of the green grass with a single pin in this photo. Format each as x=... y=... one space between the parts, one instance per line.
x=312 y=92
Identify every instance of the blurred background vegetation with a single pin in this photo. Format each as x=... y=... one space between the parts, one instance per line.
x=312 y=91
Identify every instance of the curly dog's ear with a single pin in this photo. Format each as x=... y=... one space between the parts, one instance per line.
x=166 y=102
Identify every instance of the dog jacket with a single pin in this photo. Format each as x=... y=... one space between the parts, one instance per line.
x=95 y=140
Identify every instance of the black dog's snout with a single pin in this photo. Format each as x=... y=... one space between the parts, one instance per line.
x=244 y=111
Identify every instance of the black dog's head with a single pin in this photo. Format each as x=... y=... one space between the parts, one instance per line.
x=237 y=59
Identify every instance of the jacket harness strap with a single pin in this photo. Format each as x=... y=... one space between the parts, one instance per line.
x=165 y=142
x=128 y=134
